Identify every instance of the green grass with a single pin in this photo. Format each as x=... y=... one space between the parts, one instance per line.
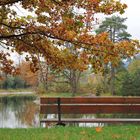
x=125 y=132
x=55 y=94
x=18 y=96
x=17 y=90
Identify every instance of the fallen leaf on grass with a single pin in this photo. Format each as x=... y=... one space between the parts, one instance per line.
x=116 y=136
x=98 y=129
x=83 y=132
x=132 y=138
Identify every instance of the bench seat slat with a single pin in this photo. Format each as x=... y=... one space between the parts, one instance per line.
x=100 y=120
x=90 y=109
x=94 y=100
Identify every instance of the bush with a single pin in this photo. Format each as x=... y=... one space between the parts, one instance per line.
x=8 y=82
x=131 y=84
x=62 y=87
x=18 y=82
x=87 y=88
x=41 y=89
x=11 y=82
x=99 y=90
x=119 y=80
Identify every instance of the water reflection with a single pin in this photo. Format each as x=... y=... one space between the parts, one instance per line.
x=18 y=113
x=87 y=116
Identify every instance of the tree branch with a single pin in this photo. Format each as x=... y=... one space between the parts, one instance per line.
x=58 y=38
x=12 y=27
x=6 y=2
x=16 y=36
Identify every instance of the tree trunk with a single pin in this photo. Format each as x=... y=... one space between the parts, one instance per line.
x=74 y=90
x=46 y=78
x=74 y=80
x=105 y=81
x=43 y=74
x=112 y=80
x=73 y=77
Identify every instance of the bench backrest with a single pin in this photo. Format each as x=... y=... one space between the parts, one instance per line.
x=94 y=105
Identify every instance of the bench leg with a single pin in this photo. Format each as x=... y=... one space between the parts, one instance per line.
x=61 y=124
x=40 y=124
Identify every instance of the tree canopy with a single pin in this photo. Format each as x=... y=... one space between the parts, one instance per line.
x=49 y=24
x=116 y=28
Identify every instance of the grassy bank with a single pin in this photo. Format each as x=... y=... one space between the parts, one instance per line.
x=73 y=133
x=23 y=92
x=11 y=93
x=65 y=94
x=18 y=96
x=15 y=95
x=17 y=90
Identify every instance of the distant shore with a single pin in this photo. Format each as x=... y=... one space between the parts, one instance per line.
x=19 y=92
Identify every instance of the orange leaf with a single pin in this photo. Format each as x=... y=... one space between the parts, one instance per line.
x=98 y=129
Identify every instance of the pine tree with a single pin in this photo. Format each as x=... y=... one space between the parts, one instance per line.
x=117 y=32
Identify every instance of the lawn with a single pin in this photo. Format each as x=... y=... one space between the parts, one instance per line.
x=125 y=132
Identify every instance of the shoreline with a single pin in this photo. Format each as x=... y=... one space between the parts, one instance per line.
x=16 y=92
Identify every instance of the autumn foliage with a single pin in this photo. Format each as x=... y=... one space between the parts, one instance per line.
x=7 y=64
x=27 y=75
x=48 y=25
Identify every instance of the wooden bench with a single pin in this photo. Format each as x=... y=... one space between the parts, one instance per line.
x=91 y=105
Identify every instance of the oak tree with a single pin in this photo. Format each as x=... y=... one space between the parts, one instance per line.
x=46 y=25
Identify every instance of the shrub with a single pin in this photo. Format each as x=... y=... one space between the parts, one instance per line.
x=131 y=84
x=62 y=87
x=41 y=89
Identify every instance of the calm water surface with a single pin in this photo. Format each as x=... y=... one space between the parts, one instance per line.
x=19 y=112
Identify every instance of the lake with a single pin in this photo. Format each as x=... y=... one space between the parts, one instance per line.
x=19 y=112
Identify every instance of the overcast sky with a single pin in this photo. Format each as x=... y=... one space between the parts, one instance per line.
x=133 y=15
